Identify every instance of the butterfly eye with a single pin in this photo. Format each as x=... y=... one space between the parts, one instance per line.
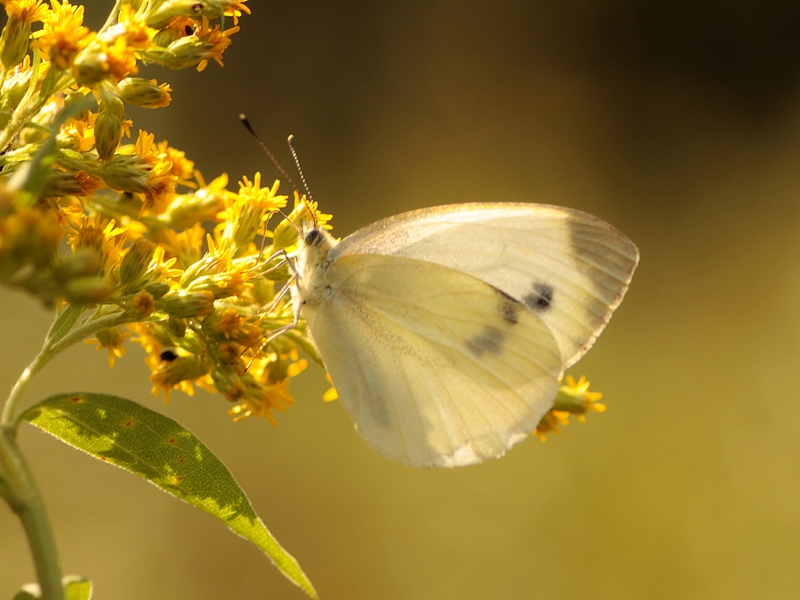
x=313 y=237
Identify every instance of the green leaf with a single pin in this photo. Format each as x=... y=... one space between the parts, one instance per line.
x=65 y=322
x=155 y=447
x=75 y=588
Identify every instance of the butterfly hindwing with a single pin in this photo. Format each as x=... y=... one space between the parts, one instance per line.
x=436 y=367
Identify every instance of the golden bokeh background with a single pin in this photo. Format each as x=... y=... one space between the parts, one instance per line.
x=676 y=121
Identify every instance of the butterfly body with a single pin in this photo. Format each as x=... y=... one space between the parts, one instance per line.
x=445 y=330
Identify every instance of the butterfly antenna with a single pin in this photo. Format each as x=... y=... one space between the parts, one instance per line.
x=300 y=170
x=245 y=121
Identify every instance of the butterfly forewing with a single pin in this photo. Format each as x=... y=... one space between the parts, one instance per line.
x=435 y=366
x=568 y=267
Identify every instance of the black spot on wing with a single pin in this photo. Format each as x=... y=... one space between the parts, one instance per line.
x=509 y=308
x=489 y=340
x=540 y=299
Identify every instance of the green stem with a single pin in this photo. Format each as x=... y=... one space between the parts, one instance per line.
x=17 y=485
x=49 y=350
x=24 y=499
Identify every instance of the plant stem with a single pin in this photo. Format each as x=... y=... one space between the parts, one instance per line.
x=17 y=485
x=24 y=498
x=48 y=351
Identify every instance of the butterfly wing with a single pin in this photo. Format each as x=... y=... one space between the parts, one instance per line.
x=570 y=268
x=434 y=366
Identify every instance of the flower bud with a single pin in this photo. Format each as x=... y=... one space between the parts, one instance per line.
x=81 y=263
x=91 y=65
x=122 y=173
x=176 y=327
x=108 y=126
x=15 y=86
x=136 y=261
x=157 y=289
x=160 y=16
x=188 y=304
x=88 y=289
x=181 y=369
x=288 y=230
x=285 y=234
x=14 y=41
x=145 y=93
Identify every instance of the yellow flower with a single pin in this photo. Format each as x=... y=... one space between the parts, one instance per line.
x=77 y=134
x=85 y=231
x=266 y=385
x=26 y=11
x=148 y=168
x=262 y=399
x=121 y=59
x=183 y=373
x=64 y=34
x=99 y=235
x=232 y=281
x=573 y=398
x=113 y=340
x=236 y=9
x=550 y=423
x=246 y=212
x=185 y=246
x=204 y=44
x=188 y=210
x=134 y=27
x=16 y=34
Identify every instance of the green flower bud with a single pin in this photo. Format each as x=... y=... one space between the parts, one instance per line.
x=157 y=289
x=160 y=16
x=181 y=369
x=176 y=327
x=81 y=263
x=108 y=126
x=91 y=66
x=88 y=289
x=136 y=261
x=145 y=93
x=123 y=174
x=14 y=88
x=188 y=304
x=14 y=41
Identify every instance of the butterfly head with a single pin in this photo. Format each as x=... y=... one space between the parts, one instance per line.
x=313 y=246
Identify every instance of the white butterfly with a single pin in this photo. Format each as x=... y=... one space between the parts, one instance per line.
x=445 y=330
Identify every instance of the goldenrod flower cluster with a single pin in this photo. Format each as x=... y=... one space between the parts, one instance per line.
x=126 y=228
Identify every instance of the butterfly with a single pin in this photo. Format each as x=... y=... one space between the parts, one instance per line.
x=446 y=330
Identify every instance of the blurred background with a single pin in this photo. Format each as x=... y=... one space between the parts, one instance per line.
x=676 y=121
